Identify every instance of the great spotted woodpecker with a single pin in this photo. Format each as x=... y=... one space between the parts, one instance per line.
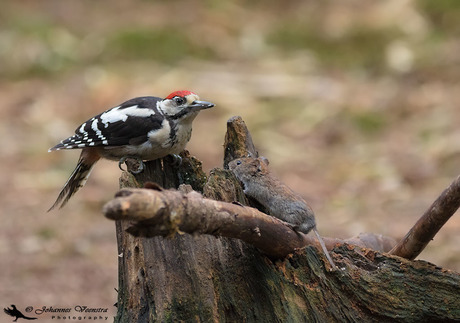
x=144 y=128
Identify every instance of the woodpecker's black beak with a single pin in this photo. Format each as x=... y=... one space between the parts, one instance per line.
x=201 y=105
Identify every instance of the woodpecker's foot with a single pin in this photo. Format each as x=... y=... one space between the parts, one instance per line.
x=176 y=160
x=139 y=169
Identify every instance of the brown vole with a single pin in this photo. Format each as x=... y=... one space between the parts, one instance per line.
x=280 y=201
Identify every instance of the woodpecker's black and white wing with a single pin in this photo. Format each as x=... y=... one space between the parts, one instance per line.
x=126 y=124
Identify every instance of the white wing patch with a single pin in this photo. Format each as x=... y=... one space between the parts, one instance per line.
x=113 y=115
x=116 y=114
x=134 y=111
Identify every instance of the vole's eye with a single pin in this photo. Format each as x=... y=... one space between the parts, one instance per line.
x=179 y=100
x=238 y=162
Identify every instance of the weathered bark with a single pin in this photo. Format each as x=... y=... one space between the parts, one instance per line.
x=238 y=141
x=202 y=278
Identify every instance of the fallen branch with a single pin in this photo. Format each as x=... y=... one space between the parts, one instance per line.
x=158 y=212
x=430 y=223
x=166 y=212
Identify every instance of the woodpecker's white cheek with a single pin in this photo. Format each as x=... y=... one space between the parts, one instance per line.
x=160 y=136
x=168 y=107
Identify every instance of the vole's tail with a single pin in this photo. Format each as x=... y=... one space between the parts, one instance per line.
x=323 y=246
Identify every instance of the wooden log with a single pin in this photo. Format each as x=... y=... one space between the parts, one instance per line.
x=202 y=278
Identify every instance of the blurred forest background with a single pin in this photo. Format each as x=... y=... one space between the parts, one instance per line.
x=355 y=104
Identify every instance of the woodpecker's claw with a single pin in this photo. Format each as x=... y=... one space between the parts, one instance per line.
x=121 y=162
x=176 y=160
x=139 y=170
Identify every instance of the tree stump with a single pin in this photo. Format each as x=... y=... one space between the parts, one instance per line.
x=205 y=278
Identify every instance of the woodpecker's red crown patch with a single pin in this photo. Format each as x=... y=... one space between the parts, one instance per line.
x=179 y=93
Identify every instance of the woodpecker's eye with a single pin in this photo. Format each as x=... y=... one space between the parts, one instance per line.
x=179 y=100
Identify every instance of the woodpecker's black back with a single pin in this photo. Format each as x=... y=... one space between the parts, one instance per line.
x=111 y=129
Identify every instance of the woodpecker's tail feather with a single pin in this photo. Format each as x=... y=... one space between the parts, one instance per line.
x=77 y=180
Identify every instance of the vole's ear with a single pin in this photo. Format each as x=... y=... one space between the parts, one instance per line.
x=256 y=162
x=265 y=160
x=260 y=163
